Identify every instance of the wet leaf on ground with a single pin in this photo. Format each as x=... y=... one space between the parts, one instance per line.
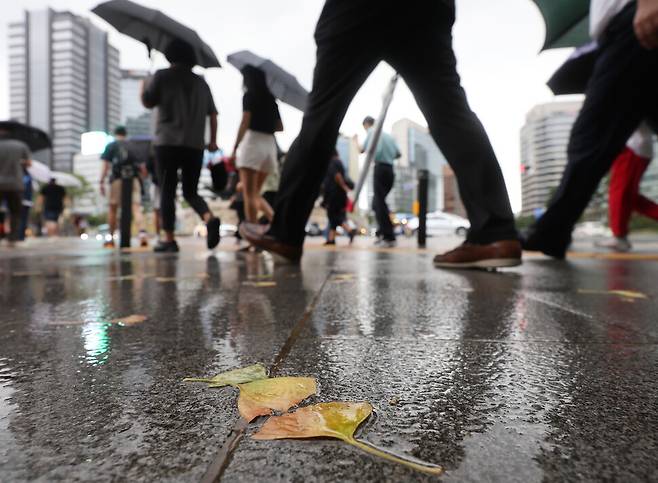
x=27 y=274
x=129 y=320
x=165 y=279
x=628 y=295
x=342 y=277
x=333 y=420
x=259 y=284
x=260 y=398
x=233 y=377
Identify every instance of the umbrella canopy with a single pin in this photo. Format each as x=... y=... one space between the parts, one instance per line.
x=66 y=179
x=40 y=172
x=35 y=138
x=567 y=22
x=153 y=28
x=572 y=77
x=283 y=85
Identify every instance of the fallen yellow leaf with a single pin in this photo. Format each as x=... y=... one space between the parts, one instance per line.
x=234 y=377
x=259 y=398
x=627 y=294
x=130 y=320
x=332 y=420
x=259 y=284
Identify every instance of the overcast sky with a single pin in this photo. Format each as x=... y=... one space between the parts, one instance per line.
x=497 y=45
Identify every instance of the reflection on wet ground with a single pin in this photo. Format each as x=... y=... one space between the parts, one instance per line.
x=522 y=375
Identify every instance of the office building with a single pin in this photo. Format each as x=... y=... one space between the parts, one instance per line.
x=544 y=140
x=419 y=151
x=63 y=78
x=136 y=118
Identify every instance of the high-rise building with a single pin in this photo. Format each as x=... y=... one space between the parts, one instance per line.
x=137 y=119
x=419 y=151
x=63 y=78
x=544 y=140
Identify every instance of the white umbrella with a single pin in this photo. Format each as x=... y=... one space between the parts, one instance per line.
x=282 y=84
x=40 y=172
x=66 y=179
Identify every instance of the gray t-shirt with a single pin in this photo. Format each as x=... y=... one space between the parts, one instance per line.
x=183 y=101
x=12 y=153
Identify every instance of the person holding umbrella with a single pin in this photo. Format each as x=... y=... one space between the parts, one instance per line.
x=184 y=101
x=620 y=94
x=255 y=148
x=350 y=46
x=14 y=156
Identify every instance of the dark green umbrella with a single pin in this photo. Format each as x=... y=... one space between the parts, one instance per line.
x=567 y=22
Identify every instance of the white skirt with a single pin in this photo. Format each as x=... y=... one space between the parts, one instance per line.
x=257 y=151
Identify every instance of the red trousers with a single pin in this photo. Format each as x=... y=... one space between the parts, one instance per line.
x=624 y=195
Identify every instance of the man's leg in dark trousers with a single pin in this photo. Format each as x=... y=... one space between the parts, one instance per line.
x=427 y=63
x=383 y=182
x=168 y=164
x=191 y=164
x=14 y=205
x=342 y=67
x=621 y=93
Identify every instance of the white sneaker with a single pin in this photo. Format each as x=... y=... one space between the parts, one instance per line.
x=621 y=245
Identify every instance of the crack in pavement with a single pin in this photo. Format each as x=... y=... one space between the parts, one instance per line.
x=225 y=454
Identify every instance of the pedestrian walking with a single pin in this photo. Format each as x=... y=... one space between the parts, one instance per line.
x=14 y=157
x=336 y=189
x=184 y=101
x=52 y=202
x=421 y=51
x=624 y=196
x=117 y=158
x=255 y=149
x=620 y=94
x=386 y=153
x=28 y=194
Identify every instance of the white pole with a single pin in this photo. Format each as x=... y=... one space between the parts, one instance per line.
x=374 y=140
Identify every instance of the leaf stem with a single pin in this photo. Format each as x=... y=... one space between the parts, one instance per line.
x=197 y=379
x=373 y=450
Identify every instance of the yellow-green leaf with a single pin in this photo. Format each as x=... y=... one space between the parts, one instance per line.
x=259 y=398
x=333 y=420
x=234 y=377
x=624 y=294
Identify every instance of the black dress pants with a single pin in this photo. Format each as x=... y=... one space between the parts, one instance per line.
x=171 y=160
x=14 y=202
x=622 y=92
x=383 y=183
x=350 y=44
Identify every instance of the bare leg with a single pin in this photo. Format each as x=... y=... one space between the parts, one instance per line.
x=251 y=194
x=263 y=204
x=112 y=218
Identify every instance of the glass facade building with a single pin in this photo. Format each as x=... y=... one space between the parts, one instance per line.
x=64 y=79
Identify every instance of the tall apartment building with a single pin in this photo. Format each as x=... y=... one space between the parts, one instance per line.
x=63 y=78
x=137 y=119
x=544 y=140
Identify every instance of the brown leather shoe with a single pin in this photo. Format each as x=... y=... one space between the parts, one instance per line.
x=253 y=233
x=506 y=253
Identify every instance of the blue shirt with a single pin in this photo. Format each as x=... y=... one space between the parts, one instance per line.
x=387 y=149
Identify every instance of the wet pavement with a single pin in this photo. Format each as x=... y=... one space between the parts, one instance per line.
x=533 y=374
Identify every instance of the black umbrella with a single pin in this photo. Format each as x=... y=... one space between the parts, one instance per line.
x=282 y=84
x=572 y=77
x=153 y=28
x=35 y=138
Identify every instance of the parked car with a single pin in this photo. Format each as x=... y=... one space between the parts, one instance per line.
x=440 y=223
